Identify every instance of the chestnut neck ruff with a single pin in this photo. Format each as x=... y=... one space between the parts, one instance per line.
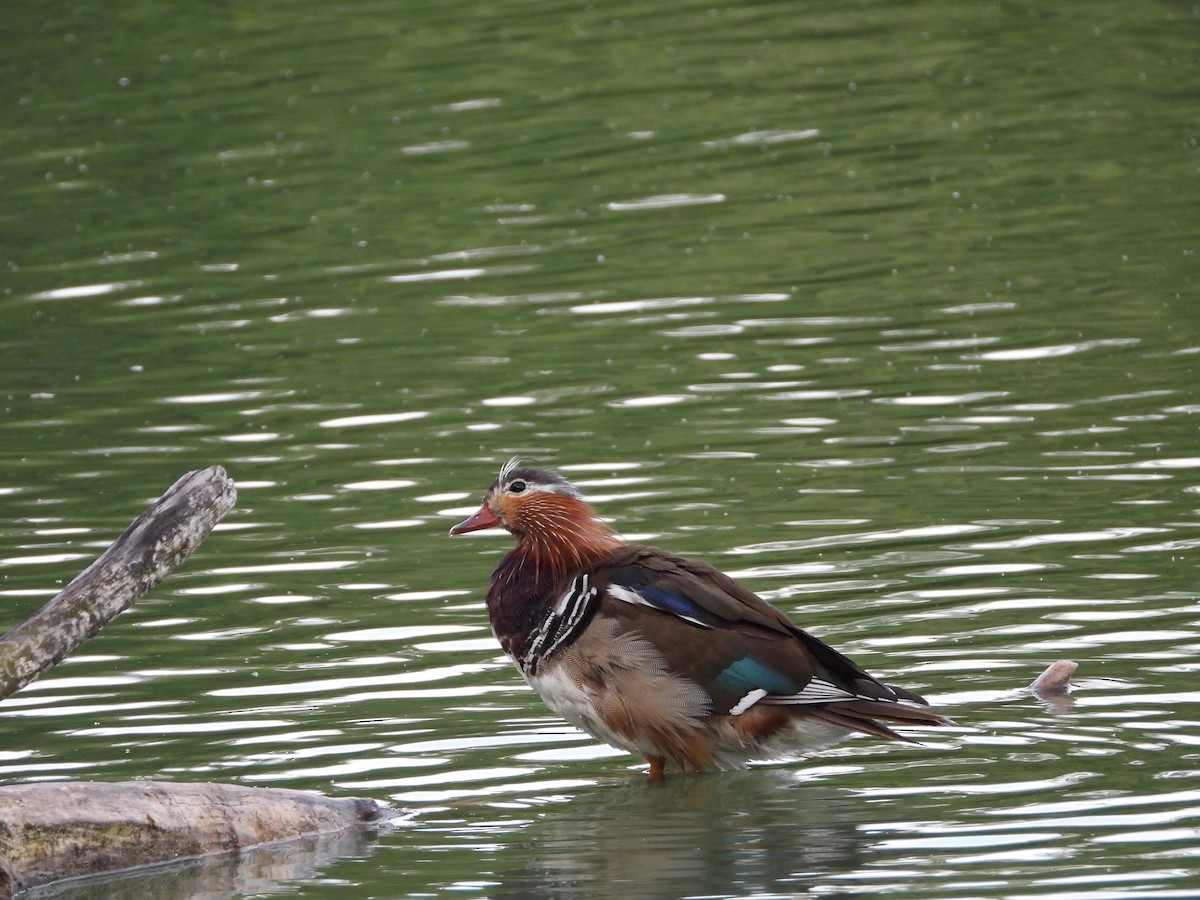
x=558 y=538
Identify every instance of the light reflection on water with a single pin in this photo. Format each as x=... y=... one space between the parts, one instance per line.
x=832 y=820
x=889 y=320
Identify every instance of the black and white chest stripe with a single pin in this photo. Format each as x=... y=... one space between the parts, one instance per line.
x=567 y=618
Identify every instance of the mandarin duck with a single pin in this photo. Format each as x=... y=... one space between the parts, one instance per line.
x=661 y=656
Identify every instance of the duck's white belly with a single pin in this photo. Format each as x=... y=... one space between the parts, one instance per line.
x=615 y=686
x=565 y=697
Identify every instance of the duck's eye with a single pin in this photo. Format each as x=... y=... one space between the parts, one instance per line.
x=517 y=487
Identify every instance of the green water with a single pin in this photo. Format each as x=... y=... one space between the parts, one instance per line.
x=887 y=309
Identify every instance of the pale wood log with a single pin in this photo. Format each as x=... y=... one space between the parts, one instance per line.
x=1056 y=679
x=50 y=832
x=155 y=543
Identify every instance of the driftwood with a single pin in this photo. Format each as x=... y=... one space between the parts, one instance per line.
x=1053 y=687
x=50 y=832
x=158 y=540
x=1055 y=680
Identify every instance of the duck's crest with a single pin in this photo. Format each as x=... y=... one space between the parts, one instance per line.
x=507 y=468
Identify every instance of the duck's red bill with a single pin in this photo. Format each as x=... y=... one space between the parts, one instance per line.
x=482 y=518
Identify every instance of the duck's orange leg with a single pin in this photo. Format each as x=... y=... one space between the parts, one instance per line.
x=658 y=769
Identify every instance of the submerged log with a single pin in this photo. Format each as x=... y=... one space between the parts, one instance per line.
x=1055 y=680
x=1053 y=687
x=50 y=832
x=155 y=543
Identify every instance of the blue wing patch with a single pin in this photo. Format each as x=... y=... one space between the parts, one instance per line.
x=664 y=601
x=749 y=674
x=675 y=604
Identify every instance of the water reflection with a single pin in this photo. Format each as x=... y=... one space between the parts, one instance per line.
x=883 y=307
x=736 y=834
x=265 y=870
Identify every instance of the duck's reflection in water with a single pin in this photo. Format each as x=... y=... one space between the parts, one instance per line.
x=759 y=832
